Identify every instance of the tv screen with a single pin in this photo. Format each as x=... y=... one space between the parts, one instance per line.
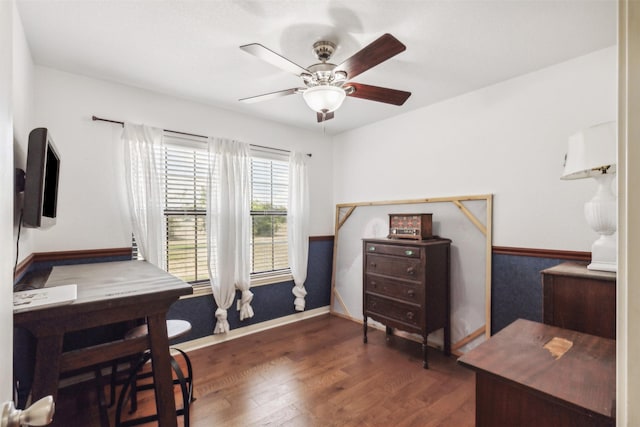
x=41 y=183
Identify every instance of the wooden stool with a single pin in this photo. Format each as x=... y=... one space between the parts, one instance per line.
x=175 y=328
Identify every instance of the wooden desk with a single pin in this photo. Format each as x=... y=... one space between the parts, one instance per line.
x=108 y=293
x=519 y=383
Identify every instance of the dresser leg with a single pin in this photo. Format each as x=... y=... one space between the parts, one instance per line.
x=365 y=330
x=425 y=365
x=389 y=333
x=447 y=340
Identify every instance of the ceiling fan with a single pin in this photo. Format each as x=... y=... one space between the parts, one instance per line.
x=325 y=84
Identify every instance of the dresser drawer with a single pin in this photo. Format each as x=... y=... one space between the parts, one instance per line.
x=396 y=250
x=402 y=268
x=407 y=291
x=405 y=313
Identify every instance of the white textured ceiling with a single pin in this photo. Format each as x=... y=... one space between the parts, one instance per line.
x=190 y=49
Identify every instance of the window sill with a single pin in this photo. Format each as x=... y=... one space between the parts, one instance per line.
x=202 y=289
x=271 y=279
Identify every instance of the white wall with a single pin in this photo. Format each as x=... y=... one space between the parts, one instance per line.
x=23 y=75
x=92 y=210
x=508 y=139
x=7 y=10
x=22 y=100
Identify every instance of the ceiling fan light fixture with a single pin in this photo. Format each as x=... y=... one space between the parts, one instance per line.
x=324 y=99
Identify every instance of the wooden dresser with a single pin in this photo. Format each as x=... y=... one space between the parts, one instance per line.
x=580 y=299
x=406 y=286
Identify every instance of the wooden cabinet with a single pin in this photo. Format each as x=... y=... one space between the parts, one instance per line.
x=580 y=299
x=406 y=286
x=519 y=382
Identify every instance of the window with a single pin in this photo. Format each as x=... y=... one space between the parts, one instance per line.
x=269 y=197
x=185 y=187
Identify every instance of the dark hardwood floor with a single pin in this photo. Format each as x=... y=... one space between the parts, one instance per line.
x=316 y=372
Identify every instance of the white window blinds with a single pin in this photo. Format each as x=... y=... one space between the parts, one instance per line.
x=269 y=198
x=185 y=191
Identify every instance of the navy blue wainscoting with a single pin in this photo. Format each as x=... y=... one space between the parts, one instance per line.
x=516 y=289
x=269 y=301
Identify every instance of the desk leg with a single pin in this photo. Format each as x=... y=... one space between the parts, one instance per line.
x=160 y=358
x=47 y=367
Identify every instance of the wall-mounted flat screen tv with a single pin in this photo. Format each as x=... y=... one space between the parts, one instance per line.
x=41 y=181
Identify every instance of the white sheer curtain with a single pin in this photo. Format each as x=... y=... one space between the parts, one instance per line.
x=229 y=226
x=298 y=225
x=143 y=146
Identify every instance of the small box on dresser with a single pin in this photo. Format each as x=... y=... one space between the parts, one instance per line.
x=406 y=286
x=410 y=226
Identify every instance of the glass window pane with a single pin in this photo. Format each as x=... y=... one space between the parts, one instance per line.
x=187 y=247
x=269 y=250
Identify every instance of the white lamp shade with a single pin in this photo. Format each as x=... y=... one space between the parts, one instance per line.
x=591 y=149
x=324 y=99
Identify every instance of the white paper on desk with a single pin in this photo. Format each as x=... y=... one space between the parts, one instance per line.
x=43 y=297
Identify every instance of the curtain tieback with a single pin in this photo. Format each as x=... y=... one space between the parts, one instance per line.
x=222 y=325
x=246 y=311
x=300 y=292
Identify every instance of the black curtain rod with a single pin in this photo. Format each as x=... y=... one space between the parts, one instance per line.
x=100 y=119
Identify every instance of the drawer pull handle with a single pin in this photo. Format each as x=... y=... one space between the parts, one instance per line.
x=373 y=264
x=411 y=271
x=372 y=248
x=374 y=283
x=408 y=253
x=410 y=315
x=411 y=293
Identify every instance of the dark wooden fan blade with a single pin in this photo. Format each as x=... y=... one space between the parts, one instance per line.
x=268 y=96
x=323 y=117
x=379 y=51
x=266 y=54
x=376 y=93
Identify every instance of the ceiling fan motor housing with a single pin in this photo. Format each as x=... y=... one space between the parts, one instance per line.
x=323 y=74
x=323 y=50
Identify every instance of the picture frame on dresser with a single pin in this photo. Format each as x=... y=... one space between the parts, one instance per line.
x=465 y=220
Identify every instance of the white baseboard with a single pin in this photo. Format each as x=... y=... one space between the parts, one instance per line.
x=248 y=330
